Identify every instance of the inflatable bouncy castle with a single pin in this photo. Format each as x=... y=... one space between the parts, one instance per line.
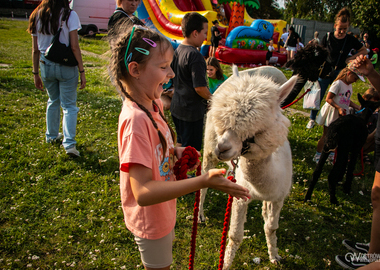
x=243 y=45
x=249 y=45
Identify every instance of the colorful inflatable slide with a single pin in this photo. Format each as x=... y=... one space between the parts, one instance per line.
x=166 y=15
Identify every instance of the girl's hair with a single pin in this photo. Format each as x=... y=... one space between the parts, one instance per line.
x=49 y=12
x=343 y=73
x=343 y=16
x=212 y=61
x=120 y=74
x=371 y=93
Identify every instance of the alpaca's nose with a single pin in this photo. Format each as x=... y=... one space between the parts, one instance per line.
x=224 y=147
x=228 y=146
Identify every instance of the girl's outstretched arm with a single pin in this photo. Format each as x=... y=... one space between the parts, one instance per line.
x=148 y=191
x=364 y=65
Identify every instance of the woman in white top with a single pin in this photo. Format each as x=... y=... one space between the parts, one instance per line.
x=60 y=81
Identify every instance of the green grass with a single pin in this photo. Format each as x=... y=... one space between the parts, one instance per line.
x=63 y=213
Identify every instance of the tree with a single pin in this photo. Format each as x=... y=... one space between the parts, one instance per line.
x=269 y=9
x=320 y=10
x=366 y=15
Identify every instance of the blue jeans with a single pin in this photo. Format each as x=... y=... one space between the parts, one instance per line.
x=61 y=83
x=324 y=83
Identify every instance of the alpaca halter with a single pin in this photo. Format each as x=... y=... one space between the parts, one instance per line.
x=358 y=112
x=246 y=146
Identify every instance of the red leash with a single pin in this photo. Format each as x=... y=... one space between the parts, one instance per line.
x=361 y=161
x=227 y=216
x=188 y=160
x=307 y=91
x=225 y=227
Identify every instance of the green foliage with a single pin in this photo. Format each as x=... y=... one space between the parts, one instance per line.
x=367 y=16
x=64 y=213
x=323 y=10
x=267 y=10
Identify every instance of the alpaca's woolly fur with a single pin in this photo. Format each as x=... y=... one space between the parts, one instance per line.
x=247 y=106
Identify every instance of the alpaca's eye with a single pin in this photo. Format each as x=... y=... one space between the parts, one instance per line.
x=251 y=140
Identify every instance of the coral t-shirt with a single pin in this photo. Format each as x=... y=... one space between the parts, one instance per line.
x=139 y=143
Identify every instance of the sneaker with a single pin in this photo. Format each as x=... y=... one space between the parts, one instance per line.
x=317 y=157
x=331 y=157
x=57 y=139
x=311 y=124
x=356 y=247
x=73 y=152
x=352 y=261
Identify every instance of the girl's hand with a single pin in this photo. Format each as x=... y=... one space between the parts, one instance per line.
x=38 y=82
x=363 y=64
x=178 y=151
x=215 y=179
x=342 y=112
x=82 y=80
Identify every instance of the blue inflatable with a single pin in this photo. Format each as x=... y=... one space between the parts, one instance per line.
x=259 y=29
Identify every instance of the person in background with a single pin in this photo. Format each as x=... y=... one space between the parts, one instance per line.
x=315 y=40
x=369 y=146
x=124 y=13
x=370 y=252
x=300 y=44
x=339 y=45
x=189 y=102
x=167 y=95
x=337 y=104
x=269 y=52
x=215 y=74
x=283 y=39
x=365 y=39
x=216 y=36
x=374 y=57
x=61 y=81
x=292 y=43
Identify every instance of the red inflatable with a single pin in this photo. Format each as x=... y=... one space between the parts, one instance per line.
x=242 y=56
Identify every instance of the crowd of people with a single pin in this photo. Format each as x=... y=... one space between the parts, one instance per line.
x=152 y=77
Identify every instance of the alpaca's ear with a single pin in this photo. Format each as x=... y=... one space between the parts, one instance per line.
x=361 y=99
x=235 y=70
x=286 y=88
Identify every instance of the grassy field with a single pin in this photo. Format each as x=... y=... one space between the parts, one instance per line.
x=63 y=213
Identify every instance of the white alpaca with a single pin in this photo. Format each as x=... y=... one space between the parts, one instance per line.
x=245 y=120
